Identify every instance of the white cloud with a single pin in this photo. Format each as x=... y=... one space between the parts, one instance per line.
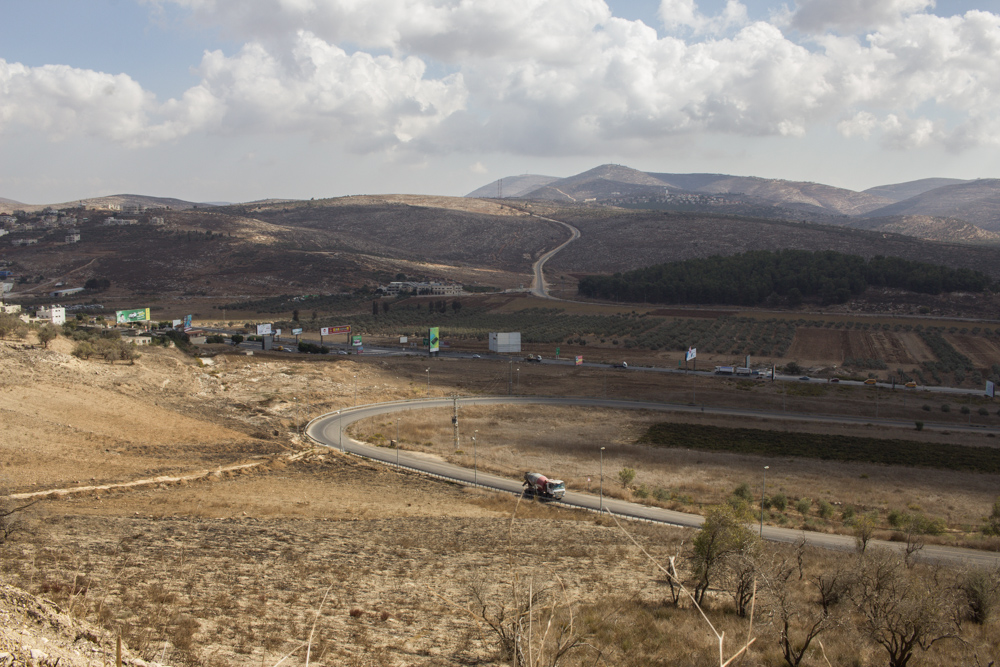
x=677 y=14
x=553 y=77
x=478 y=168
x=851 y=15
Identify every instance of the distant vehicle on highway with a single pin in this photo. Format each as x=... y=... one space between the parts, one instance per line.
x=911 y=384
x=536 y=358
x=834 y=380
x=621 y=365
x=870 y=381
x=804 y=378
x=476 y=356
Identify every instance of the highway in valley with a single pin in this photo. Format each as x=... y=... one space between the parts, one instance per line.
x=328 y=430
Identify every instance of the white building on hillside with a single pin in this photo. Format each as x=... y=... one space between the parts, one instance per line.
x=54 y=314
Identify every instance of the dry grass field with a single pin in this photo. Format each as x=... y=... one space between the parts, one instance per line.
x=241 y=566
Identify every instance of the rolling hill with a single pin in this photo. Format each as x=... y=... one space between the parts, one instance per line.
x=941 y=205
x=900 y=191
x=976 y=202
x=512 y=186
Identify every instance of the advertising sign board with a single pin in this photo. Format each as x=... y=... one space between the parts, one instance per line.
x=356 y=340
x=579 y=360
x=330 y=331
x=505 y=341
x=433 y=334
x=296 y=332
x=403 y=339
x=990 y=389
x=691 y=354
x=136 y=315
x=177 y=323
x=263 y=329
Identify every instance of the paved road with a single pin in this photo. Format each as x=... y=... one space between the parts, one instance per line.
x=328 y=430
x=538 y=275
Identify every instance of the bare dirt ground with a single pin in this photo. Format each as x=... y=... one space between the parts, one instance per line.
x=231 y=567
x=981 y=351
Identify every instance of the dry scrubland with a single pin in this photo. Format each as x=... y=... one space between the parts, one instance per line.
x=231 y=567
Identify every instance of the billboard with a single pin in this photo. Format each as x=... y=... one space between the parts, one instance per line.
x=187 y=321
x=691 y=354
x=330 y=331
x=990 y=389
x=127 y=316
x=177 y=324
x=356 y=340
x=579 y=360
x=505 y=342
x=296 y=332
x=263 y=329
x=434 y=338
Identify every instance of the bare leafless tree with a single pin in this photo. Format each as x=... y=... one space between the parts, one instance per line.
x=13 y=514
x=899 y=609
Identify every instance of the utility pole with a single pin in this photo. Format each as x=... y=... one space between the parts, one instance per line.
x=510 y=378
x=454 y=419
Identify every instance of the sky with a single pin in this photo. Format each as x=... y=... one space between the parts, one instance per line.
x=240 y=100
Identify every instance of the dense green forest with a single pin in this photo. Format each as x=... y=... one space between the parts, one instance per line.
x=784 y=276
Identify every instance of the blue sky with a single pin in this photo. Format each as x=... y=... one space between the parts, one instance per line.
x=235 y=100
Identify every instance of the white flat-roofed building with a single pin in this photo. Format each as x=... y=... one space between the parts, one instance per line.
x=54 y=314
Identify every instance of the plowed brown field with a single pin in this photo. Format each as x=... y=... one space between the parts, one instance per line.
x=984 y=352
x=828 y=347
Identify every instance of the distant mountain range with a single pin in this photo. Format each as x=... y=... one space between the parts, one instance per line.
x=943 y=209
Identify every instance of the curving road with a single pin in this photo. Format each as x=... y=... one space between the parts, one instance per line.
x=538 y=278
x=327 y=430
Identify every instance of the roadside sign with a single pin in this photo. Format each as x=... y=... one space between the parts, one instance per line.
x=579 y=360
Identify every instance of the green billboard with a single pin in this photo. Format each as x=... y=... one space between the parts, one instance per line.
x=128 y=316
x=435 y=339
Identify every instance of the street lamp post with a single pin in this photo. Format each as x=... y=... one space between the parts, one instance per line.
x=475 y=461
x=397 y=440
x=602 y=479
x=763 y=489
x=518 y=381
x=340 y=436
x=355 y=389
x=428 y=371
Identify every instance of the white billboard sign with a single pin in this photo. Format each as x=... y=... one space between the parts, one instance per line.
x=505 y=342
x=691 y=354
x=263 y=329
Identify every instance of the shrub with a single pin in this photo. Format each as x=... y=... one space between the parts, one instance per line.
x=847 y=514
x=945 y=408
x=980 y=593
x=919 y=425
x=641 y=492
x=965 y=410
x=743 y=492
x=927 y=408
x=779 y=502
x=803 y=506
x=825 y=509
x=626 y=476
x=983 y=412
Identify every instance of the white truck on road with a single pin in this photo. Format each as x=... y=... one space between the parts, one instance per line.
x=536 y=484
